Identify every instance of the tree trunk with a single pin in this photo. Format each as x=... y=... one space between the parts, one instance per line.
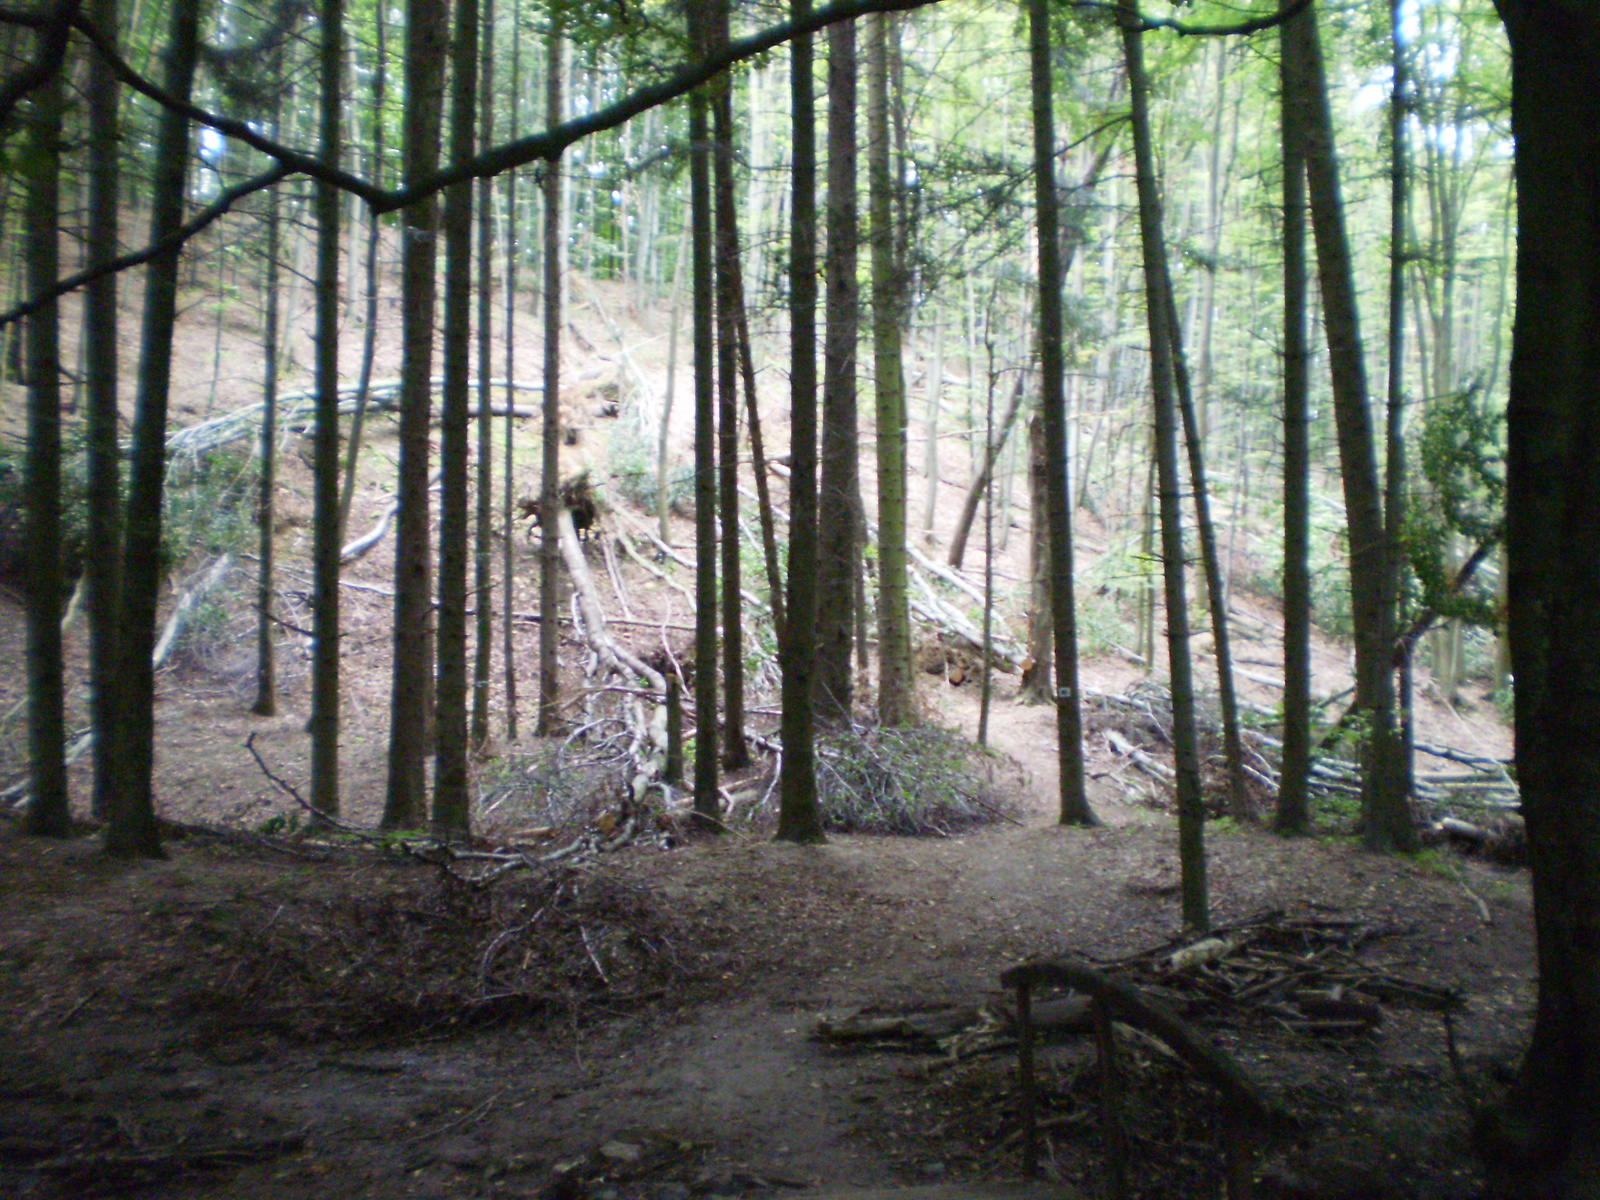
x=326 y=529
x=405 y=802
x=799 y=819
x=483 y=523
x=1545 y=1139
x=706 y=802
x=508 y=482
x=550 y=458
x=102 y=566
x=1038 y=685
x=1293 y=813
x=266 y=702
x=451 y=785
x=49 y=813
x=1163 y=334
x=133 y=832
x=896 y=691
x=729 y=301
x=838 y=523
x=991 y=454
x=1075 y=808
x=1386 y=817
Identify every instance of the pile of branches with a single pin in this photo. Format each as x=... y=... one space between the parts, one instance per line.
x=918 y=781
x=1291 y=974
x=424 y=958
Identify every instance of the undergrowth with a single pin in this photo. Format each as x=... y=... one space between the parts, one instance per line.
x=916 y=781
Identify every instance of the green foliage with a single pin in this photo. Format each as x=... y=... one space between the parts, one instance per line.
x=209 y=506
x=914 y=781
x=1461 y=497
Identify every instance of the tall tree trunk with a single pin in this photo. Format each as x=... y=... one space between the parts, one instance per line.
x=1037 y=679
x=734 y=753
x=133 y=832
x=838 y=520
x=49 y=813
x=1386 y=817
x=1069 y=722
x=896 y=683
x=1544 y=1141
x=799 y=818
x=1163 y=334
x=483 y=530
x=326 y=530
x=266 y=702
x=405 y=803
x=451 y=785
x=508 y=481
x=1394 y=502
x=706 y=802
x=1293 y=814
x=550 y=460
x=102 y=557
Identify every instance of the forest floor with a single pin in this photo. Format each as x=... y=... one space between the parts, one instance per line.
x=267 y=1014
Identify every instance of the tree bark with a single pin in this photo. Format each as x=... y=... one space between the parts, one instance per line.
x=49 y=814
x=1545 y=1139
x=483 y=523
x=405 y=802
x=550 y=457
x=799 y=819
x=266 y=702
x=102 y=566
x=1075 y=808
x=1293 y=812
x=896 y=682
x=1386 y=816
x=706 y=802
x=838 y=519
x=451 y=784
x=133 y=832
x=326 y=529
x=1160 y=310
x=729 y=301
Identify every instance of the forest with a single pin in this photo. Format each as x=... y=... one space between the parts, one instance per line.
x=1142 y=458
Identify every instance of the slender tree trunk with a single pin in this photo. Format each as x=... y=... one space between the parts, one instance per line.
x=1386 y=817
x=734 y=753
x=799 y=819
x=133 y=832
x=1038 y=685
x=452 y=802
x=1293 y=813
x=49 y=813
x=483 y=531
x=550 y=467
x=896 y=682
x=102 y=556
x=1075 y=808
x=1544 y=1140
x=991 y=456
x=266 y=703
x=663 y=459
x=838 y=541
x=405 y=804
x=706 y=801
x=1394 y=502
x=508 y=481
x=326 y=535
x=1161 y=312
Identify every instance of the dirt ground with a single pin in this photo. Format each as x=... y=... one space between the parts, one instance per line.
x=267 y=1015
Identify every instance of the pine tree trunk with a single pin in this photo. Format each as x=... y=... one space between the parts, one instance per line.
x=550 y=457
x=266 y=702
x=451 y=785
x=409 y=718
x=49 y=813
x=1293 y=813
x=896 y=690
x=133 y=832
x=838 y=540
x=1544 y=1140
x=1162 y=325
x=102 y=564
x=1075 y=808
x=706 y=802
x=483 y=525
x=326 y=530
x=1386 y=816
x=799 y=819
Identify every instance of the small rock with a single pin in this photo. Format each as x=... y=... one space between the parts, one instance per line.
x=622 y=1152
